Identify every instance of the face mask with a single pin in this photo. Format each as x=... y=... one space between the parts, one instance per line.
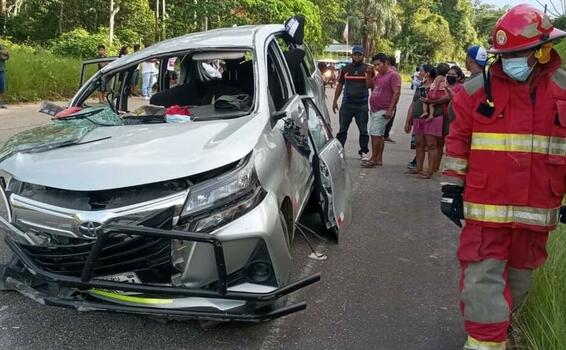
x=517 y=68
x=451 y=80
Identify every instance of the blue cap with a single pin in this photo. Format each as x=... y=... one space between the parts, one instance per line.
x=478 y=54
x=357 y=49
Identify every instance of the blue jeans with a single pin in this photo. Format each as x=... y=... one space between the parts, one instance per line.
x=146 y=84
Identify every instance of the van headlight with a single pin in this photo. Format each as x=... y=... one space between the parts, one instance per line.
x=217 y=201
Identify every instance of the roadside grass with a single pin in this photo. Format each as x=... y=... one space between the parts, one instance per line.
x=36 y=74
x=543 y=318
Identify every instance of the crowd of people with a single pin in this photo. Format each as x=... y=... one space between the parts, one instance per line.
x=429 y=114
x=370 y=96
x=374 y=114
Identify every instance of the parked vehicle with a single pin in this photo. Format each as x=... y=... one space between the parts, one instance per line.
x=184 y=208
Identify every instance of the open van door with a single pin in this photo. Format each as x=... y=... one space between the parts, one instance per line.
x=333 y=187
x=312 y=138
x=332 y=181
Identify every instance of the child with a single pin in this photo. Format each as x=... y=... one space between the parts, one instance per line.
x=436 y=91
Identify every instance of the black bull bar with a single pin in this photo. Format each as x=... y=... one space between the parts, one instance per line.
x=13 y=280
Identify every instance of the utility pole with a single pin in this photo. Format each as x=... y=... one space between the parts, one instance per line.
x=206 y=15
x=157 y=35
x=62 y=7
x=163 y=19
x=113 y=12
x=4 y=5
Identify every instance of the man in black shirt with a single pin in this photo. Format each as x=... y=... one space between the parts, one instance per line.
x=355 y=101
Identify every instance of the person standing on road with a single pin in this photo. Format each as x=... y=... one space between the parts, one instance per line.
x=454 y=77
x=505 y=172
x=414 y=121
x=416 y=80
x=102 y=89
x=393 y=65
x=135 y=75
x=386 y=90
x=354 y=102
x=4 y=56
x=433 y=120
x=148 y=70
x=476 y=60
x=123 y=51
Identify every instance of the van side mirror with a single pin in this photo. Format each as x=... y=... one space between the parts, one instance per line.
x=295 y=28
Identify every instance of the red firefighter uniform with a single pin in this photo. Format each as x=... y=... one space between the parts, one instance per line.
x=511 y=163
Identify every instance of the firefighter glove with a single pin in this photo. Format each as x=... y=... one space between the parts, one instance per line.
x=563 y=214
x=452 y=203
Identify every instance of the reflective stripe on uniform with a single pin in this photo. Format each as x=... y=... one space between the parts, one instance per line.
x=550 y=145
x=504 y=214
x=456 y=165
x=450 y=180
x=474 y=344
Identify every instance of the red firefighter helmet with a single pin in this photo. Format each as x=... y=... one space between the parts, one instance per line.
x=523 y=27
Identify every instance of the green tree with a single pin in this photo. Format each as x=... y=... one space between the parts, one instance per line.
x=82 y=44
x=427 y=39
x=43 y=20
x=190 y=16
x=560 y=22
x=459 y=15
x=485 y=17
x=135 y=16
x=425 y=35
x=333 y=17
x=371 y=21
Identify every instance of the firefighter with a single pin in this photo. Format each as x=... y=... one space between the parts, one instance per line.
x=505 y=171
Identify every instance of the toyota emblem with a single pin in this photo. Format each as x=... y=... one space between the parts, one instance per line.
x=89 y=228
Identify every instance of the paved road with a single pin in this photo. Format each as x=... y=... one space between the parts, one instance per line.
x=389 y=285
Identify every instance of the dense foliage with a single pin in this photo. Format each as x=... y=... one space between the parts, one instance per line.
x=423 y=30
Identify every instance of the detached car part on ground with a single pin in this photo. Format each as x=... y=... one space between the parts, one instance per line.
x=107 y=210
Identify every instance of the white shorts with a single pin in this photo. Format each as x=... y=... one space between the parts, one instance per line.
x=377 y=123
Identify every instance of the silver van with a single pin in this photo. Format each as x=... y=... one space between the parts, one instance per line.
x=184 y=205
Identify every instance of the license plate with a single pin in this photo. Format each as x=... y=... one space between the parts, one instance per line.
x=128 y=277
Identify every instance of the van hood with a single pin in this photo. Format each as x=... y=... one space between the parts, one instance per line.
x=125 y=156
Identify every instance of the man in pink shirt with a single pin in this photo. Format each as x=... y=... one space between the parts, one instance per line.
x=386 y=90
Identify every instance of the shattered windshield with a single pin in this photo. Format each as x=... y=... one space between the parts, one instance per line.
x=62 y=131
x=192 y=86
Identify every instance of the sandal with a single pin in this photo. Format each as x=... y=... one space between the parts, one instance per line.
x=370 y=164
x=413 y=172
x=424 y=176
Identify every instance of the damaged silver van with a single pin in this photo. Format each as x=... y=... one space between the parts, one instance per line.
x=184 y=205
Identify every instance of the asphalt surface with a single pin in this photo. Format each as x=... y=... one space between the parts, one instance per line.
x=390 y=284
